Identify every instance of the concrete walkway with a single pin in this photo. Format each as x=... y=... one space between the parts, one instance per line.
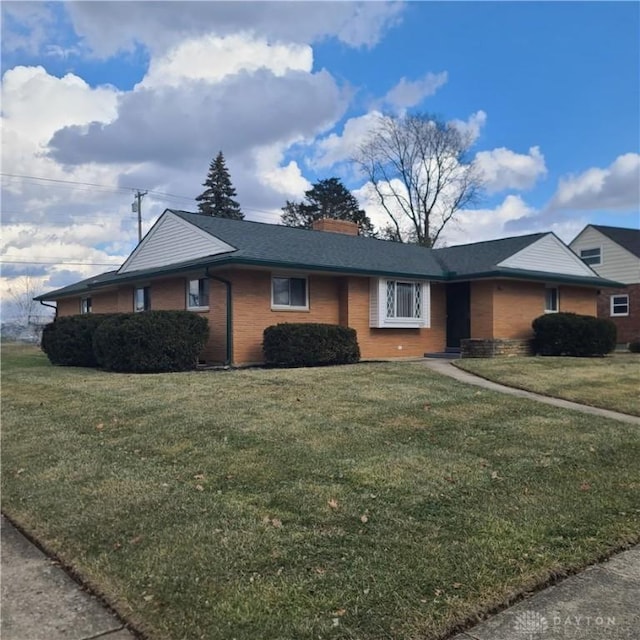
x=601 y=603
x=446 y=368
x=41 y=602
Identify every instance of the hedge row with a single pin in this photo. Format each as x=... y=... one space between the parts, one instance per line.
x=68 y=340
x=570 y=334
x=150 y=342
x=309 y=344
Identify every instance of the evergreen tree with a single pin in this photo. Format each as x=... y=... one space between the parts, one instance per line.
x=218 y=198
x=327 y=199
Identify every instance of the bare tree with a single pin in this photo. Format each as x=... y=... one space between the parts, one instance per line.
x=419 y=170
x=27 y=314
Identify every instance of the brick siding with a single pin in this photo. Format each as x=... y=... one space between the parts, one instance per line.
x=499 y=309
x=628 y=326
x=504 y=309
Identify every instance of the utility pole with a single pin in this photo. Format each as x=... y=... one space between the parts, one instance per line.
x=136 y=207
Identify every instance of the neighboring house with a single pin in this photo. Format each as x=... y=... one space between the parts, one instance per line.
x=403 y=300
x=614 y=253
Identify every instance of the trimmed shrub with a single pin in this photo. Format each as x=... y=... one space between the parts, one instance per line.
x=634 y=346
x=570 y=334
x=309 y=344
x=68 y=340
x=150 y=342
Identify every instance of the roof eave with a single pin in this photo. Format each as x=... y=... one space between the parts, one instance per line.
x=542 y=276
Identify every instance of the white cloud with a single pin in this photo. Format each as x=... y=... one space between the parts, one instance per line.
x=286 y=180
x=211 y=58
x=409 y=93
x=236 y=114
x=505 y=169
x=109 y=27
x=615 y=188
x=336 y=148
x=26 y=26
x=473 y=125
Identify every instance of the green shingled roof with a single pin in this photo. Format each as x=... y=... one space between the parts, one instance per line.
x=258 y=242
x=627 y=238
x=276 y=246
x=479 y=257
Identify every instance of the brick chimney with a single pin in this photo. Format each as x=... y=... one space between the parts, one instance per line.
x=336 y=226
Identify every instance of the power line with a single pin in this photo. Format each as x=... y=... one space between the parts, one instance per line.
x=162 y=194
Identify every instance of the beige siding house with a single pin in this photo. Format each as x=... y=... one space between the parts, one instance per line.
x=614 y=253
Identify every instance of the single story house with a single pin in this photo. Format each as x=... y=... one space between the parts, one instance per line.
x=403 y=300
x=614 y=253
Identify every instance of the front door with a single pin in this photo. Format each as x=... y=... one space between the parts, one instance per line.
x=458 y=313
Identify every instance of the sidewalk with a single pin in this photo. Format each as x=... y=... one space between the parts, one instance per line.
x=601 y=603
x=446 y=368
x=41 y=602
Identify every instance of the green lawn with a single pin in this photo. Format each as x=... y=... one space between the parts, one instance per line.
x=368 y=501
x=611 y=383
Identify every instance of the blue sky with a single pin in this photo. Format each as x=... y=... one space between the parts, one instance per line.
x=130 y=95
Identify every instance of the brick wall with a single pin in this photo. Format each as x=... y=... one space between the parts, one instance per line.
x=481 y=300
x=252 y=312
x=68 y=307
x=579 y=300
x=506 y=308
x=628 y=326
x=394 y=343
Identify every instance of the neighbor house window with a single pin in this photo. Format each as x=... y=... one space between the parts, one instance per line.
x=85 y=305
x=142 y=299
x=591 y=256
x=551 y=300
x=198 y=294
x=620 y=305
x=289 y=293
x=404 y=300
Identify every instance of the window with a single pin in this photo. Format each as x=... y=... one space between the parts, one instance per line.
x=289 y=293
x=591 y=256
x=399 y=304
x=85 y=305
x=620 y=305
x=142 y=299
x=551 y=300
x=404 y=300
x=198 y=294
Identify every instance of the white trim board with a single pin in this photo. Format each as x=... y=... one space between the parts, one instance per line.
x=172 y=240
x=548 y=254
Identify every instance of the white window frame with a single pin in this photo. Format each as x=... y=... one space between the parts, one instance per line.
x=557 y=307
x=86 y=305
x=290 y=307
x=202 y=282
x=146 y=297
x=587 y=259
x=378 y=312
x=613 y=305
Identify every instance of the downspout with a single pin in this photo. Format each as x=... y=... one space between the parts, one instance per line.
x=227 y=284
x=51 y=306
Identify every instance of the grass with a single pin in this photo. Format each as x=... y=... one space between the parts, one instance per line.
x=612 y=382
x=367 y=501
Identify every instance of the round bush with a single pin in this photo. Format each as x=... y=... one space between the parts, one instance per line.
x=68 y=340
x=309 y=344
x=571 y=334
x=634 y=346
x=150 y=342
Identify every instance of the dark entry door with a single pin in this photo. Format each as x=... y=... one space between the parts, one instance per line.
x=458 y=313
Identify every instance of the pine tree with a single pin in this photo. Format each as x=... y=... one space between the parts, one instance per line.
x=326 y=199
x=218 y=197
